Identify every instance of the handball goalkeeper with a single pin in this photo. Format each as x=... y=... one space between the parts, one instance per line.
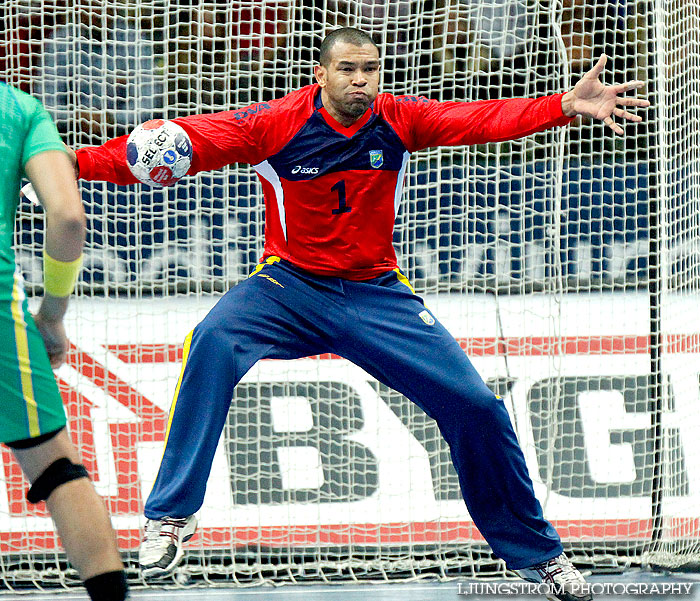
x=331 y=158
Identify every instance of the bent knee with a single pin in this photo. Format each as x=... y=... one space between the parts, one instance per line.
x=479 y=403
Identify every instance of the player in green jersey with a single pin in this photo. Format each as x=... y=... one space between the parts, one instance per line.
x=33 y=423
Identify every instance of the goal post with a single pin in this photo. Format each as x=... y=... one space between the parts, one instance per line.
x=566 y=264
x=676 y=540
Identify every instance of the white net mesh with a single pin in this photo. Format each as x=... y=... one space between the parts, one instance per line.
x=566 y=264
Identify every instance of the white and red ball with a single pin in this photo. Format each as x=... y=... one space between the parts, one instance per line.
x=159 y=152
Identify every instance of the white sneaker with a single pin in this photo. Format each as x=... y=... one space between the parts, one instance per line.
x=566 y=582
x=161 y=548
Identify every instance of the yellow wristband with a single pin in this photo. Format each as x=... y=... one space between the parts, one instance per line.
x=60 y=276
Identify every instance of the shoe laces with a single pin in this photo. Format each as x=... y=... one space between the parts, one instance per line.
x=151 y=532
x=566 y=574
x=167 y=527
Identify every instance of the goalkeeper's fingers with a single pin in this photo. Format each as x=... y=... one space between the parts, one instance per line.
x=626 y=115
x=599 y=66
x=612 y=125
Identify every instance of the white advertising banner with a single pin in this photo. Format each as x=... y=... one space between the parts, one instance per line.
x=317 y=452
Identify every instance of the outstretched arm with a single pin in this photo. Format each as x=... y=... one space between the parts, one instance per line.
x=592 y=97
x=218 y=139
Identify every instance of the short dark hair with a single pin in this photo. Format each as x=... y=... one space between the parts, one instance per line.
x=349 y=35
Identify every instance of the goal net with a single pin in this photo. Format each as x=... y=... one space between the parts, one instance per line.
x=566 y=264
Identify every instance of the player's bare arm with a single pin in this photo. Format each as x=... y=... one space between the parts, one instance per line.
x=593 y=98
x=52 y=176
x=73 y=160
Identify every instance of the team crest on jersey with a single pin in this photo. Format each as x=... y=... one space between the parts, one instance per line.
x=427 y=318
x=376 y=158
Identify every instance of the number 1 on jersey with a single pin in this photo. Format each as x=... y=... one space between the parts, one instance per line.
x=342 y=203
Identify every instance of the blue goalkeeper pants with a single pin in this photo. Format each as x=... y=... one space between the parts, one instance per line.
x=282 y=312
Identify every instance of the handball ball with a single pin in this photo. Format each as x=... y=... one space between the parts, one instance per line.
x=158 y=152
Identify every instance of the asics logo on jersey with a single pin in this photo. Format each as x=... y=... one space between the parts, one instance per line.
x=304 y=170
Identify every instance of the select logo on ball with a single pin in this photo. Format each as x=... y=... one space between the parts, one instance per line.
x=161 y=139
x=148 y=156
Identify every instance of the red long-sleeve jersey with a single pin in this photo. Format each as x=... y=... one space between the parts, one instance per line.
x=332 y=192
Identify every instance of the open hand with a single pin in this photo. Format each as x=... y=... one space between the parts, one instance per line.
x=592 y=97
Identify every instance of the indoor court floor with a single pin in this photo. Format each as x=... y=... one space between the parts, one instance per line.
x=400 y=591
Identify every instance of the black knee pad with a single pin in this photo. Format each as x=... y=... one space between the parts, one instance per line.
x=59 y=472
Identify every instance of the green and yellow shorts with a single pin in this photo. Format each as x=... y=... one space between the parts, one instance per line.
x=29 y=397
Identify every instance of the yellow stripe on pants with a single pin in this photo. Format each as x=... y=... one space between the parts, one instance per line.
x=185 y=354
x=25 y=368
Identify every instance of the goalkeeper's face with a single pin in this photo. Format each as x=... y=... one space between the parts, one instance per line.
x=350 y=81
